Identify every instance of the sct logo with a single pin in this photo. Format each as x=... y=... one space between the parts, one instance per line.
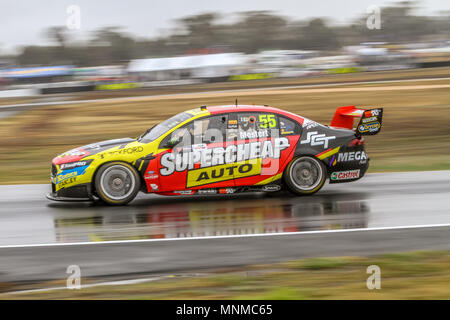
x=316 y=139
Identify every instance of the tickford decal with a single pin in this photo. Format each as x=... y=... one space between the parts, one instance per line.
x=180 y=162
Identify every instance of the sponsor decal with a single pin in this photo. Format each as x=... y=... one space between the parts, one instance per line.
x=309 y=124
x=183 y=192
x=121 y=152
x=70 y=170
x=286 y=132
x=232 y=124
x=62 y=177
x=253 y=134
x=207 y=191
x=271 y=188
x=72 y=165
x=154 y=187
x=312 y=125
x=315 y=139
x=345 y=175
x=352 y=156
x=232 y=154
x=370 y=119
x=227 y=190
x=66 y=182
x=225 y=172
x=369 y=127
x=372 y=113
x=151 y=176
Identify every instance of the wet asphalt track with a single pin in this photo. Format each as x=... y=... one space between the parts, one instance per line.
x=155 y=234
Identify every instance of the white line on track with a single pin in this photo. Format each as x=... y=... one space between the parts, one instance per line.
x=226 y=236
x=92 y=285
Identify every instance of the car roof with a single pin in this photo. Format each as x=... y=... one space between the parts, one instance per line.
x=253 y=108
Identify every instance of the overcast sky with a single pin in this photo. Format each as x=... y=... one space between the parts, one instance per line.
x=22 y=22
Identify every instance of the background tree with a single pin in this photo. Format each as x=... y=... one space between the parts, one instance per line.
x=251 y=32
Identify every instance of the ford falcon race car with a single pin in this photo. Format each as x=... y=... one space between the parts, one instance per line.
x=220 y=150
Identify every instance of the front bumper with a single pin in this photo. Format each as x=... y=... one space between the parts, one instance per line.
x=81 y=192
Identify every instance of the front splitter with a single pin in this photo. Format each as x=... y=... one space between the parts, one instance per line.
x=54 y=197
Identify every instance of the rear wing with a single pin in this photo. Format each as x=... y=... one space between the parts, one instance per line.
x=369 y=124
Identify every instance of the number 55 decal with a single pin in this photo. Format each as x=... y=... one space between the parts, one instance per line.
x=267 y=121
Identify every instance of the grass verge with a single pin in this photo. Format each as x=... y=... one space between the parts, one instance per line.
x=411 y=275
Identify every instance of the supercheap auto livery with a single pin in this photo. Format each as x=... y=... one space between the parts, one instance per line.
x=229 y=149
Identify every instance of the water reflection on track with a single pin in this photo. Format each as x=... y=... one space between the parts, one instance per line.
x=379 y=200
x=201 y=217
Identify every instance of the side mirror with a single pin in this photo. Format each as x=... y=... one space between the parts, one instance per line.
x=172 y=142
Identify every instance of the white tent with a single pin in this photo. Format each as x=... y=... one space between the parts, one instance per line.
x=207 y=65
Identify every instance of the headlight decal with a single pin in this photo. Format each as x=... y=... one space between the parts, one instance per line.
x=76 y=164
x=72 y=169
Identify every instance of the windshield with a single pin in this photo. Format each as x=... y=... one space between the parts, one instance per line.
x=163 y=127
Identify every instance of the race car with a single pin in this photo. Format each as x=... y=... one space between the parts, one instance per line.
x=220 y=150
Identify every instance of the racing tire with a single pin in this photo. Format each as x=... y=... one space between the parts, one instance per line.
x=305 y=175
x=117 y=183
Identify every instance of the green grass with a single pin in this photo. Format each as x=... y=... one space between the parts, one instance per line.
x=410 y=275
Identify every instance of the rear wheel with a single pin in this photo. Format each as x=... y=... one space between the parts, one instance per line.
x=117 y=183
x=305 y=175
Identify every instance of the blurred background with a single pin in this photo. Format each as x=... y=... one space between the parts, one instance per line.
x=85 y=46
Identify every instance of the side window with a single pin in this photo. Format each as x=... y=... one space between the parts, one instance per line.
x=232 y=127
x=256 y=125
x=215 y=129
x=203 y=130
x=288 y=127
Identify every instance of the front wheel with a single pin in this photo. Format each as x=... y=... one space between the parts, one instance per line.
x=117 y=183
x=305 y=175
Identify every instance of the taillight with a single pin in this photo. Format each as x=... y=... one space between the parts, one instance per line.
x=356 y=142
